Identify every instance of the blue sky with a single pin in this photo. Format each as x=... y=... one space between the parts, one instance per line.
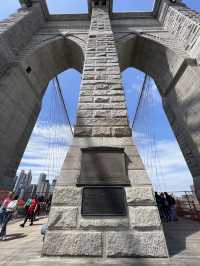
x=153 y=135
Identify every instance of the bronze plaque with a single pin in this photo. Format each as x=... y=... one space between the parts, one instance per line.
x=103 y=166
x=104 y=201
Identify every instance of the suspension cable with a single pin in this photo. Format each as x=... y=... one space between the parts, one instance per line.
x=140 y=98
x=59 y=91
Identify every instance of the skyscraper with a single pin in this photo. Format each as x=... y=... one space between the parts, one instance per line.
x=43 y=185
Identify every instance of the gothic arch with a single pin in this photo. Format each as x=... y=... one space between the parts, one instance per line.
x=21 y=91
x=178 y=79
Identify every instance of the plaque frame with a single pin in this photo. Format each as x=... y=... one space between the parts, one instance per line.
x=100 y=212
x=86 y=179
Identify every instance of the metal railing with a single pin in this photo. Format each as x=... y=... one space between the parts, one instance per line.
x=187 y=205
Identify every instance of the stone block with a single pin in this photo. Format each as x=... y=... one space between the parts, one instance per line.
x=139 y=177
x=69 y=195
x=73 y=151
x=131 y=150
x=144 y=217
x=121 y=132
x=116 y=93
x=104 y=223
x=86 y=99
x=119 y=113
x=117 y=99
x=136 y=244
x=102 y=113
x=79 y=243
x=71 y=163
x=102 y=99
x=97 y=106
x=135 y=162
x=68 y=177
x=139 y=196
x=62 y=217
x=101 y=132
x=122 y=142
x=82 y=131
x=101 y=121
x=88 y=142
x=100 y=92
x=85 y=113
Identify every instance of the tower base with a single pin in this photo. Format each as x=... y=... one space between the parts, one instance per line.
x=137 y=234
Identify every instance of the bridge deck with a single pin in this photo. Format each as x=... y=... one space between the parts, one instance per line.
x=23 y=247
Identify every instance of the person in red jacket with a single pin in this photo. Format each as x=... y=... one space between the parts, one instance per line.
x=30 y=212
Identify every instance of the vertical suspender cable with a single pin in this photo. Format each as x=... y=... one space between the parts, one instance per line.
x=59 y=91
x=140 y=98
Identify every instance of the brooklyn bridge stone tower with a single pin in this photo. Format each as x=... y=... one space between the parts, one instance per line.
x=103 y=205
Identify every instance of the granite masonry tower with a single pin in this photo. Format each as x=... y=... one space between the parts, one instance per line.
x=103 y=205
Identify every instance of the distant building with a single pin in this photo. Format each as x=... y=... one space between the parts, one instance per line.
x=52 y=186
x=43 y=186
x=23 y=183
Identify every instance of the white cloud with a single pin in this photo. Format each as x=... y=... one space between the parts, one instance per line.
x=46 y=150
x=166 y=158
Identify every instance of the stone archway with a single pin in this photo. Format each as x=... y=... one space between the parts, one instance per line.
x=22 y=89
x=178 y=79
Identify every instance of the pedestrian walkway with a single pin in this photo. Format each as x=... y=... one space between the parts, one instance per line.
x=23 y=247
x=21 y=244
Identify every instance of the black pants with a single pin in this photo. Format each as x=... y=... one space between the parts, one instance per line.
x=29 y=217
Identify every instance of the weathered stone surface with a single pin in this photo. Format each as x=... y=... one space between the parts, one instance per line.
x=135 y=162
x=117 y=99
x=79 y=243
x=85 y=113
x=86 y=99
x=69 y=195
x=139 y=177
x=119 y=113
x=105 y=122
x=121 y=132
x=104 y=223
x=101 y=132
x=68 y=177
x=136 y=244
x=63 y=217
x=143 y=217
x=114 y=141
x=101 y=99
x=82 y=131
x=139 y=196
x=97 y=106
x=102 y=113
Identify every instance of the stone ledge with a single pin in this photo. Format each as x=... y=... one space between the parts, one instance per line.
x=136 y=244
x=104 y=223
x=79 y=243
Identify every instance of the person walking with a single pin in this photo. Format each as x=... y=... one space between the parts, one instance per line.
x=159 y=205
x=8 y=214
x=30 y=212
x=172 y=206
x=165 y=207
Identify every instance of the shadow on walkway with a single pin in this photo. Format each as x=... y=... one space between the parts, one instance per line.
x=183 y=237
x=15 y=236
